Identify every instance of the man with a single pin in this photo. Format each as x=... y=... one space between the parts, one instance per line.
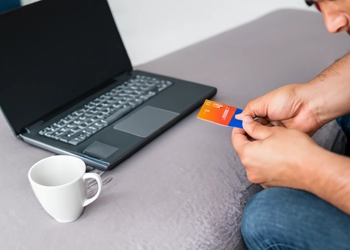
x=306 y=201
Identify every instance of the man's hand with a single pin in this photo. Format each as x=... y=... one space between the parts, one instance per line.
x=274 y=156
x=289 y=106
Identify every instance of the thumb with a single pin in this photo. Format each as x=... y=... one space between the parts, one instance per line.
x=256 y=130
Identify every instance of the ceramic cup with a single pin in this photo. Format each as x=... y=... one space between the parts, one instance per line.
x=59 y=184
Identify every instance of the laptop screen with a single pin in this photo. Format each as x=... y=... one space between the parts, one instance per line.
x=53 y=52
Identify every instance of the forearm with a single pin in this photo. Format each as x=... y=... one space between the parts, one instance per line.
x=328 y=177
x=329 y=92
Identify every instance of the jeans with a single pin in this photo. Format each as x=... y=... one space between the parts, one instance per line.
x=283 y=218
x=9 y=4
x=344 y=123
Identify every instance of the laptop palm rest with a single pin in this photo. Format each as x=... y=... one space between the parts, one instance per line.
x=146 y=121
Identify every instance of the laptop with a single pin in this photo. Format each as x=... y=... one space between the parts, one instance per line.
x=67 y=84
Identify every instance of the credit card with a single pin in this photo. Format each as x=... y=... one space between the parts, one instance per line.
x=220 y=113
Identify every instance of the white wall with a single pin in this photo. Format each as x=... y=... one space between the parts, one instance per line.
x=154 y=28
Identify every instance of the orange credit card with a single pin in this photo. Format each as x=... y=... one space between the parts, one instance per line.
x=219 y=113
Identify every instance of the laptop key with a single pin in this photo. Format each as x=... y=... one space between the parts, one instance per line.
x=147 y=96
x=104 y=110
x=135 y=103
x=116 y=115
x=74 y=142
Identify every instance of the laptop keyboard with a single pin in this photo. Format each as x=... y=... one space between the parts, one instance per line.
x=104 y=110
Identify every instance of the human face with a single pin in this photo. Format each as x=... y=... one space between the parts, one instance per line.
x=336 y=14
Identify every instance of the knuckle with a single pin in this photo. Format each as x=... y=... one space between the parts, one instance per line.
x=245 y=158
x=249 y=177
x=250 y=104
x=252 y=178
x=245 y=161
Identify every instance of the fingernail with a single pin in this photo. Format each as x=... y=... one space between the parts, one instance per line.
x=248 y=119
x=239 y=116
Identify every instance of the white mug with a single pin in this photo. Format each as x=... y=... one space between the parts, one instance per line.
x=59 y=184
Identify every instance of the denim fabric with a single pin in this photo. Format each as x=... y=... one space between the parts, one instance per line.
x=9 y=4
x=283 y=218
x=344 y=123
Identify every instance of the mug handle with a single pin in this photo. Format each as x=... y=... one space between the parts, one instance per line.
x=99 y=183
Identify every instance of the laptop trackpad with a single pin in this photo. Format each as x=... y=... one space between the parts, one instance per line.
x=146 y=121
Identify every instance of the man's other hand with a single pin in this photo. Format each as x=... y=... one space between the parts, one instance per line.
x=274 y=155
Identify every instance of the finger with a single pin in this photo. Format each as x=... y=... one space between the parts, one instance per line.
x=256 y=108
x=277 y=123
x=239 y=116
x=237 y=131
x=239 y=139
x=262 y=120
x=256 y=130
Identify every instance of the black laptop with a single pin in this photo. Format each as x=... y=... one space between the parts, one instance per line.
x=67 y=84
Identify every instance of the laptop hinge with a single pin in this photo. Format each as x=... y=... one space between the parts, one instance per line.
x=33 y=126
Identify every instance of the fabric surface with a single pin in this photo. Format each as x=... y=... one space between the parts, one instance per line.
x=187 y=188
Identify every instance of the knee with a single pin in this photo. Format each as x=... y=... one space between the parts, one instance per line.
x=261 y=217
